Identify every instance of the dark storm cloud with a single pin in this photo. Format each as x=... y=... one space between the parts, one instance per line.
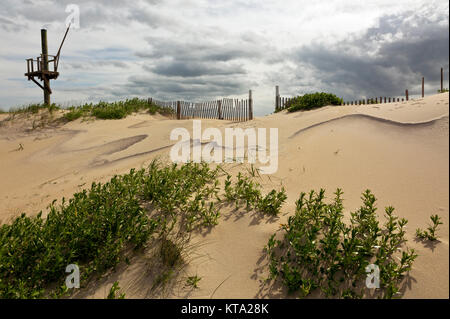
x=201 y=49
x=385 y=60
x=187 y=89
x=193 y=69
x=202 y=65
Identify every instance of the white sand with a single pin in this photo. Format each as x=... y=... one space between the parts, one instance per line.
x=398 y=150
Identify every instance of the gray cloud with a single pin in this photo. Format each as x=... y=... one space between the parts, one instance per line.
x=194 y=69
x=93 y=14
x=385 y=60
x=188 y=89
x=89 y=65
x=11 y=25
x=198 y=48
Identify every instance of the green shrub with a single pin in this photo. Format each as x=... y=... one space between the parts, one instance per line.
x=193 y=281
x=247 y=191
x=34 y=108
x=115 y=110
x=109 y=112
x=311 y=101
x=90 y=230
x=94 y=227
x=73 y=114
x=430 y=233
x=114 y=292
x=319 y=252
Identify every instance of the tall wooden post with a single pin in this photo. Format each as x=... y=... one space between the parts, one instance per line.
x=423 y=86
x=277 y=97
x=178 y=110
x=250 y=105
x=219 y=109
x=406 y=94
x=44 y=60
x=442 y=80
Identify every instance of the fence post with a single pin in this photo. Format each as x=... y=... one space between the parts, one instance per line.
x=406 y=93
x=219 y=109
x=250 y=105
x=277 y=95
x=423 y=86
x=178 y=110
x=442 y=80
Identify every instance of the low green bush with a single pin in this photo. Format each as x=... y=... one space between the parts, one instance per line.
x=430 y=232
x=34 y=108
x=161 y=204
x=245 y=191
x=115 y=110
x=313 y=100
x=73 y=114
x=109 y=111
x=90 y=230
x=319 y=252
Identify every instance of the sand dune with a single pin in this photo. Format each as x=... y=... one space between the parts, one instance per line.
x=398 y=150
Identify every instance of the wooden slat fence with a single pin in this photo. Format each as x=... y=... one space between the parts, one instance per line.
x=282 y=103
x=237 y=110
x=375 y=100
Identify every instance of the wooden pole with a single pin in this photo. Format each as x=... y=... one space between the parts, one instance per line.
x=406 y=93
x=277 y=95
x=423 y=86
x=250 y=105
x=45 y=78
x=178 y=110
x=219 y=109
x=442 y=80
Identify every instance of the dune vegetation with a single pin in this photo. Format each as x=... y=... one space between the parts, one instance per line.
x=312 y=101
x=159 y=206
x=320 y=253
x=100 y=110
x=115 y=110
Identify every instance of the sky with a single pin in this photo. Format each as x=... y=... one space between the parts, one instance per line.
x=200 y=50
